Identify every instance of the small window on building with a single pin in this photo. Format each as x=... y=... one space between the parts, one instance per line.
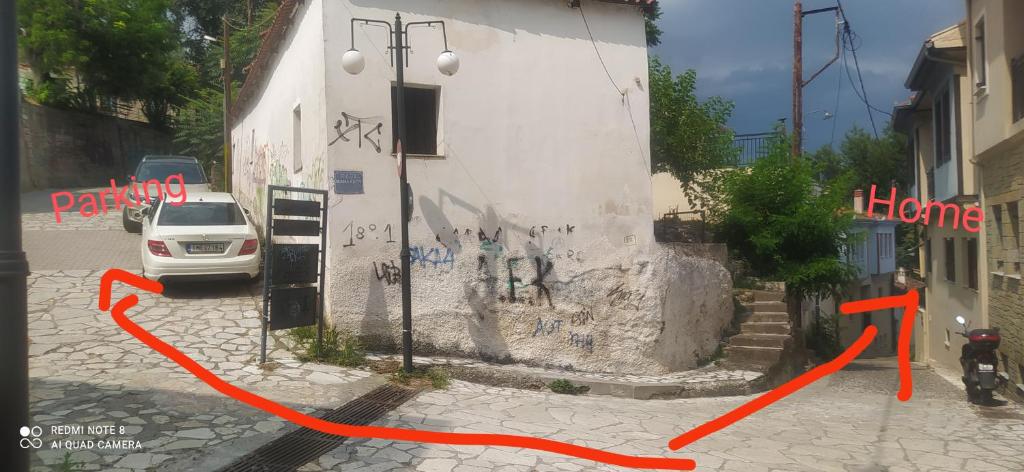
x=928 y=256
x=972 y=263
x=950 y=259
x=421 y=109
x=980 y=63
x=943 y=125
x=1013 y=212
x=297 y=138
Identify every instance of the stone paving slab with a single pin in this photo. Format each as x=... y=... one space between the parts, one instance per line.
x=85 y=371
x=708 y=381
x=848 y=422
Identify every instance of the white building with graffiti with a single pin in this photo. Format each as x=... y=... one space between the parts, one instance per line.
x=531 y=236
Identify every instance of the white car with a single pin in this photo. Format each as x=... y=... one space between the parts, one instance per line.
x=208 y=236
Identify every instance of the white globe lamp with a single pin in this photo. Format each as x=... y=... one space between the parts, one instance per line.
x=448 y=63
x=353 y=61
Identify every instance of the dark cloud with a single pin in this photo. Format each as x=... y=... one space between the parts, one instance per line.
x=743 y=50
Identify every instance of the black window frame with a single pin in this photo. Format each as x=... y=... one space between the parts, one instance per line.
x=421 y=126
x=972 y=263
x=949 y=251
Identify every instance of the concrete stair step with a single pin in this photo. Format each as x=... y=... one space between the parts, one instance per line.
x=764 y=328
x=759 y=340
x=769 y=317
x=752 y=355
x=774 y=307
x=769 y=296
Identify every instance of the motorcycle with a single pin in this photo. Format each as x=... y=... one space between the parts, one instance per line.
x=979 y=362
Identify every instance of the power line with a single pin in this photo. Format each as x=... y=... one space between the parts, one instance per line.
x=598 y=51
x=835 y=109
x=849 y=44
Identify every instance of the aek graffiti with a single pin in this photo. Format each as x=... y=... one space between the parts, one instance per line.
x=543 y=268
x=350 y=123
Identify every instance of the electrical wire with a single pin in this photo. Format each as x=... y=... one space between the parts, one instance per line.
x=850 y=45
x=835 y=109
x=598 y=51
x=622 y=93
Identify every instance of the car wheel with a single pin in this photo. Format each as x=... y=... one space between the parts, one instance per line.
x=129 y=225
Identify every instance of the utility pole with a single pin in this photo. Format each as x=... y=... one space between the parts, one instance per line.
x=16 y=433
x=798 y=77
x=227 y=104
x=798 y=69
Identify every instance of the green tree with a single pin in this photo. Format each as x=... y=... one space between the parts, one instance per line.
x=689 y=138
x=777 y=219
x=113 y=50
x=652 y=14
x=199 y=125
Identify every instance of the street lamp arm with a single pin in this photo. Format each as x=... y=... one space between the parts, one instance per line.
x=376 y=23
x=444 y=33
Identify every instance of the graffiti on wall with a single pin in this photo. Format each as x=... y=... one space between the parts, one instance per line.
x=432 y=256
x=344 y=129
x=354 y=234
x=389 y=273
x=625 y=298
x=575 y=339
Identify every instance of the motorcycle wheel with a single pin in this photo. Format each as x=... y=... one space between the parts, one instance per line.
x=973 y=393
x=985 y=397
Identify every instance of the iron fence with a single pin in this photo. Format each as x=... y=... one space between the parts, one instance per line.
x=752 y=147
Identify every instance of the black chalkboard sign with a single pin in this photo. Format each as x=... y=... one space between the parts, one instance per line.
x=295 y=263
x=292 y=307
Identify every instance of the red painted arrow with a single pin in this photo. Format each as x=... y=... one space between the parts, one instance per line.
x=908 y=301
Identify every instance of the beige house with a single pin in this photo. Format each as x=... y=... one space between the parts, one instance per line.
x=995 y=71
x=938 y=122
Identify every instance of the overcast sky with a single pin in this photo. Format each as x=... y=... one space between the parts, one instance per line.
x=743 y=50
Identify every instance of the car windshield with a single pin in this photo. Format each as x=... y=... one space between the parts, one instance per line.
x=201 y=214
x=160 y=170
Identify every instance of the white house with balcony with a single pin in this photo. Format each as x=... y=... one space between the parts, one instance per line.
x=938 y=123
x=531 y=234
x=873 y=252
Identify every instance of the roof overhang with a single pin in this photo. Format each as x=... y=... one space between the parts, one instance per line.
x=944 y=47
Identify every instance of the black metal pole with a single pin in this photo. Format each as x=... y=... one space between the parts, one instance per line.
x=404 y=183
x=268 y=259
x=13 y=265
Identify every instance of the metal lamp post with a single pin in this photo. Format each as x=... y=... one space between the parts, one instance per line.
x=16 y=433
x=448 y=63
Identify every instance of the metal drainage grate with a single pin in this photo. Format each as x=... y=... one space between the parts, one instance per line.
x=295 y=449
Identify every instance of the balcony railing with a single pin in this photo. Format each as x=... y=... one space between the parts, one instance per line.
x=753 y=147
x=1017 y=81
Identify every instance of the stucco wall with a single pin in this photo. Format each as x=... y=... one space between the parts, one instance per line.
x=531 y=236
x=65 y=149
x=262 y=140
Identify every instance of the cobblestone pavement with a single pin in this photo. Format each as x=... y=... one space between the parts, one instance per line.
x=849 y=422
x=86 y=372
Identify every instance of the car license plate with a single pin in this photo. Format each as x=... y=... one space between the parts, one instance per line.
x=986 y=368
x=205 y=248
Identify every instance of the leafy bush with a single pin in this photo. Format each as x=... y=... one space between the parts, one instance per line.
x=566 y=387
x=780 y=222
